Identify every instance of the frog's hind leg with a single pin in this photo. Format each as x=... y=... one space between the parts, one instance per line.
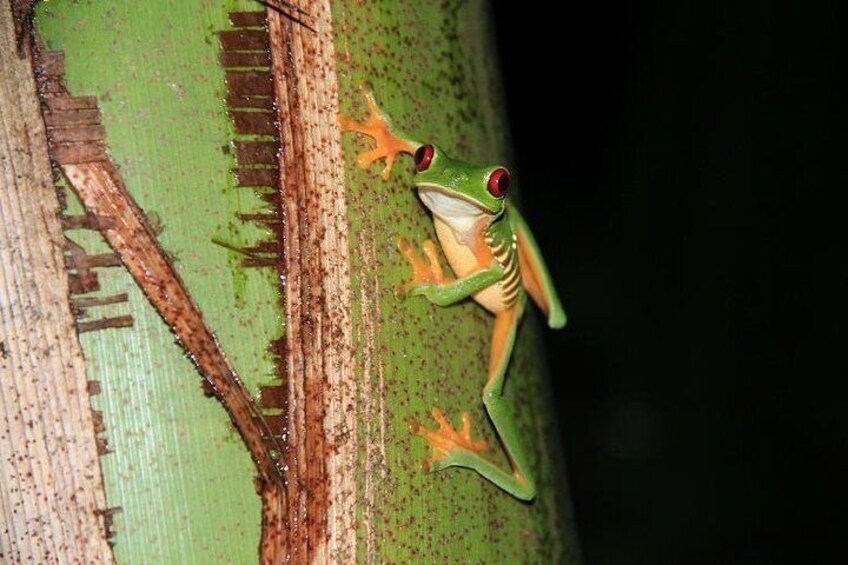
x=455 y=449
x=519 y=483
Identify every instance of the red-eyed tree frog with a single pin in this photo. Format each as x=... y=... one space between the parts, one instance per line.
x=496 y=260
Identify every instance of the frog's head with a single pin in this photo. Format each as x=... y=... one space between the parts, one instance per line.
x=457 y=192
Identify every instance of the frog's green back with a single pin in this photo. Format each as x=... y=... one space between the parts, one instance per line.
x=535 y=274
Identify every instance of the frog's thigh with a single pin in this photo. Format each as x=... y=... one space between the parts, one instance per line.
x=503 y=339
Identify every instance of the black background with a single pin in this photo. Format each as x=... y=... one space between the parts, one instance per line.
x=683 y=166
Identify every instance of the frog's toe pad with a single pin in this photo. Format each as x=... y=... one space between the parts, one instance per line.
x=445 y=440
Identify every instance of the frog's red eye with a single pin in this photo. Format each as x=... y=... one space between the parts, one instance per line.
x=423 y=157
x=498 y=183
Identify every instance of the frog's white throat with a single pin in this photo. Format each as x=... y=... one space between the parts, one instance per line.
x=459 y=214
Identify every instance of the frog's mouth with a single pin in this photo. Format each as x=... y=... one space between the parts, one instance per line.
x=455 y=210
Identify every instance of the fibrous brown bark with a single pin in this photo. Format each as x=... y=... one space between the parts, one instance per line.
x=51 y=488
x=322 y=391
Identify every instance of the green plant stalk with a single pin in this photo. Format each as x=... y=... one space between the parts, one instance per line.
x=433 y=68
x=181 y=475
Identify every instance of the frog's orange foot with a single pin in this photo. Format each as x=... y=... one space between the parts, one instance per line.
x=378 y=126
x=445 y=439
x=426 y=268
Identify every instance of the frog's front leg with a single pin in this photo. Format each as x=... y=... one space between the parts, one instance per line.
x=390 y=142
x=429 y=280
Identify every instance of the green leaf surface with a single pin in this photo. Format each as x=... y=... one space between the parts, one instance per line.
x=180 y=473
